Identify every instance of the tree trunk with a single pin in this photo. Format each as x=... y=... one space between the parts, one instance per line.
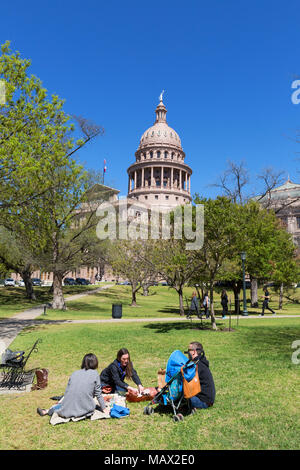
x=133 y=294
x=133 y=298
x=254 y=296
x=145 y=289
x=281 y=296
x=236 y=291
x=212 y=311
x=26 y=276
x=181 y=306
x=58 y=296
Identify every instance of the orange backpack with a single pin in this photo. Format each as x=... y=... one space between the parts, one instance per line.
x=191 y=388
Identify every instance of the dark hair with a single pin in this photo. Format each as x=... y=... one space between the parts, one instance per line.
x=223 y=293
x=128 y=368
x=89 y=361
x=197 y=346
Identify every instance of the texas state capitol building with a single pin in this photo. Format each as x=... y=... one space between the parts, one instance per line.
x=159 y=178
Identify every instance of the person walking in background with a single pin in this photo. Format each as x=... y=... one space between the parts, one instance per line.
x=194 y=307
x=224 y=303
x=206 y=303
x=266 y=300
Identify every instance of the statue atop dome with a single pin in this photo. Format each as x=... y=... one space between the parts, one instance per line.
x=161 y=95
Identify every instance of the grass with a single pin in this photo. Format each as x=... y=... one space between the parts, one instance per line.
x=161 y=302
x=13 y=299
x=257 y=401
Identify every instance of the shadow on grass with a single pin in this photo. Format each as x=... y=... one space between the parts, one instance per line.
x=273 y=338
x=167 y=327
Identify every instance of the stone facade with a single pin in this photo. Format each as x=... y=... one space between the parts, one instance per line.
x=285 y=201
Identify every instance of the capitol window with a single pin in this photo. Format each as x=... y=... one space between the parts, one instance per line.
x=166 y=154
x=158 y=154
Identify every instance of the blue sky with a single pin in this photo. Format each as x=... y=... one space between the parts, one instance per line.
x=226 y=68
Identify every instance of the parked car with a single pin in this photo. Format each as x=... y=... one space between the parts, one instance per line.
x=164 y=283
x=20 y=283
x=36 y=282
x=9 y=282
x=69 y=281
x=82 y=282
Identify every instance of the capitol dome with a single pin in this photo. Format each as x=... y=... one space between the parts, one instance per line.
x=159 y=177
x=160 y=133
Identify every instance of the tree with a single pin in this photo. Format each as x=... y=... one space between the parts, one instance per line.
x=127 y=260
x=42 y=187
x=15 y=256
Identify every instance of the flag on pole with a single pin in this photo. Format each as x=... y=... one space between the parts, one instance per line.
x=104 y=169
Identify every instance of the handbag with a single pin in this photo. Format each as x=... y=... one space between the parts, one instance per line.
x=42 y=379
x=192 y=387
x=134 y=397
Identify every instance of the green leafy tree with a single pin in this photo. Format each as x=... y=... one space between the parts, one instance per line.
x=42 y=187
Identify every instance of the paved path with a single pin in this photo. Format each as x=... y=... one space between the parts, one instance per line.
x=11 y=327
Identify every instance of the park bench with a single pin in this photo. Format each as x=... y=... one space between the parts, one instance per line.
x=12 y=370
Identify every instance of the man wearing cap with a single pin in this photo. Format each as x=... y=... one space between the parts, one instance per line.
x=206 y=397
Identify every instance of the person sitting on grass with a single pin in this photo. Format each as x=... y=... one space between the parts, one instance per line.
x=206 y=397
x=113 y=376
x=83 y=386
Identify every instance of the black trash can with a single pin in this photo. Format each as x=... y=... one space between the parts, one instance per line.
x=117 y=310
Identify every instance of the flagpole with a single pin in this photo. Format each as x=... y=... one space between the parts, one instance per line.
x=104 y=169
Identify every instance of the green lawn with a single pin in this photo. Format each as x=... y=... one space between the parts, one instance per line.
x=13 y=299
x=161 y=302
x=257 y=401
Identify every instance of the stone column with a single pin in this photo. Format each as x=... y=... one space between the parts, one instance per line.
x=162 y=177
x=180 y=180
x=172 y=174
x=135 y=179
x=186 y=180
x=143 y=182
x=129 y=185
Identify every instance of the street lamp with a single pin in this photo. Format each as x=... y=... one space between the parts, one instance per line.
x=245 y=311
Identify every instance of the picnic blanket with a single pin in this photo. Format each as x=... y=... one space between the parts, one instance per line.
x=111 y=399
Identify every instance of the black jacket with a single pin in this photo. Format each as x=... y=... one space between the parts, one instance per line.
x=224 y=299
x=194 y=304
x=113 y=376
x=208 y=391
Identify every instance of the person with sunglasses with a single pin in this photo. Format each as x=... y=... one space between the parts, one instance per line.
x=206 y=397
